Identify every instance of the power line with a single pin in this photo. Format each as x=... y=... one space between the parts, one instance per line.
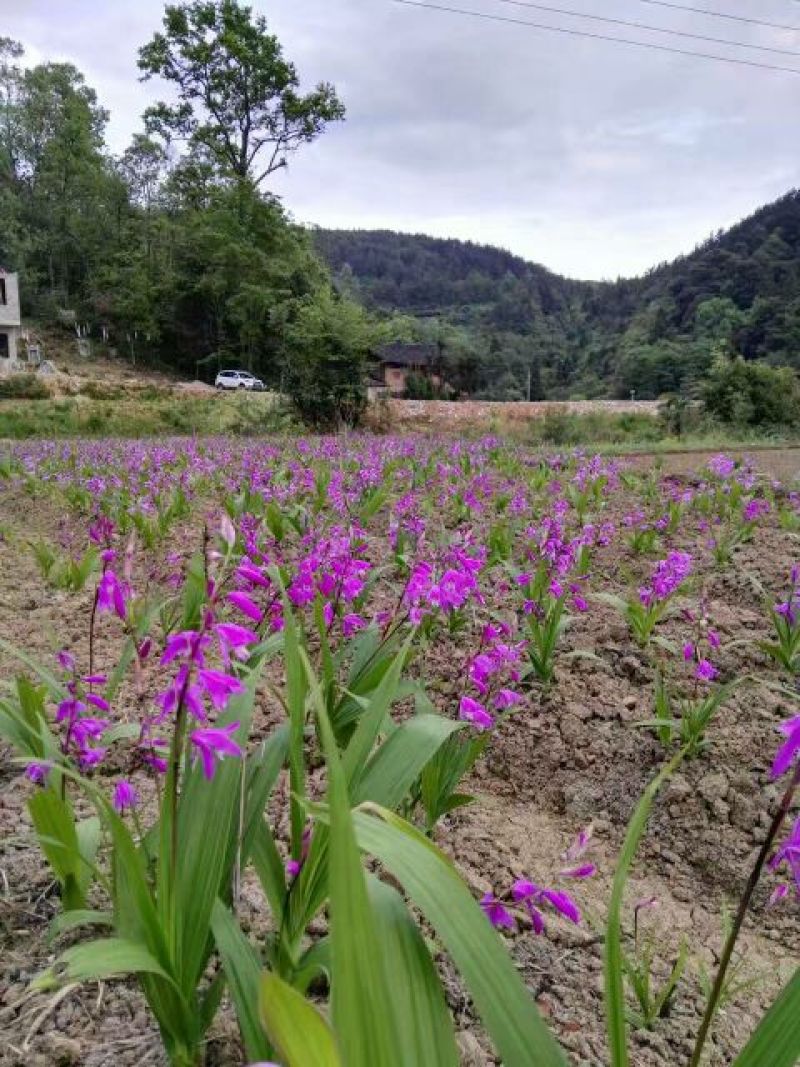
x=650 y=29
x=596 y=36
x=721 y=15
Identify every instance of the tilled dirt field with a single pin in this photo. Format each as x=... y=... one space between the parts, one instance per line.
x=570 y=756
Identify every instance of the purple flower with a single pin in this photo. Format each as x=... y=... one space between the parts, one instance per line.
x=779 y=893
x=184 y=645
x=688 y=651
x=227 y=530
x=787 y=753
x=496 y=913
x=66 y=661
x=111 y=595
x=220 y=687
x=579 y=845
x=471 y=710
x=247 y=606
x=713 y=638
x=352 y=623
x=236 y=639
x=250 y=573
x=215 y=743
x=789 y=853
x=754 y=509
x=706 y=670
x=38 y=772
x=125 y=797
x=533 y=896
x=721 y=465
x=585 y=870
x=506 y=698
x=788 y=610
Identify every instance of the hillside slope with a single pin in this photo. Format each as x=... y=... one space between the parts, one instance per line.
x=738 y=291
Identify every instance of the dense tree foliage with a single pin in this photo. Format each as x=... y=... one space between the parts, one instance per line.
x=181 y=256
x=238 y=98
x=512 y=327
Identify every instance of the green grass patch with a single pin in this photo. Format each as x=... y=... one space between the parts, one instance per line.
x=81 y=416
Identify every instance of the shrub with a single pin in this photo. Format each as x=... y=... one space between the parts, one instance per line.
x=752 y=394
x=23 y=387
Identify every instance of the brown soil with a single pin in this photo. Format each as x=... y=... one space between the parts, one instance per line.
x=570 y=756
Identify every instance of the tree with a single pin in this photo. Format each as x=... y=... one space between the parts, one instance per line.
x=237 y=95
x=752 y=394
x=327 y=343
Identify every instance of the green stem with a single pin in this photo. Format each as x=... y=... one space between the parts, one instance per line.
x=744 y=904
x=614 y=987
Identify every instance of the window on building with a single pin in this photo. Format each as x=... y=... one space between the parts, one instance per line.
x=3 y=291
x=4 y=346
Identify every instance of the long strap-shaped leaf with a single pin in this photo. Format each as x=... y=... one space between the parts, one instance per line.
x=776 y=1041
x=296 y=691
x=370 y=722
x=243 y=973
x=616 y=1025
x=398 y=762
x=295 y=1027
x=435 y=887
x=363 y=1015
x=419 y=1003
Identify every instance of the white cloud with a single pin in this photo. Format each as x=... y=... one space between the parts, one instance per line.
x=592 y=158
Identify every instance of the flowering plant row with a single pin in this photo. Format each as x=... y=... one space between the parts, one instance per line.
x=287 y=619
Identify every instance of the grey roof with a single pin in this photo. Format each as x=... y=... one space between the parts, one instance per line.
x=404 y=354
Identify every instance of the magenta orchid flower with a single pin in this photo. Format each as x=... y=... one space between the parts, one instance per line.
x=236 y=639
x=473 y=711
x=213 y=743
x=706 y=671
x=497 y=914
x=246 y=605
x=220 y=687
x=789 y=750
x=125 y=797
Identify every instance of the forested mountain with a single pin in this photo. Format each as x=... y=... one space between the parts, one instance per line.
x=503 y=318
x=176 y=250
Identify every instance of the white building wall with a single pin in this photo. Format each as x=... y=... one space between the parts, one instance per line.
x=9 y=311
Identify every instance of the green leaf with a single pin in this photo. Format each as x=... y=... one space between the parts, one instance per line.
x=54 y=823
x=112 y=957
x=614 y=965
x=269 y=867
x=296 y=693
x=435 y=887
x=776 y=1041
x=423 y=1020
x=360 y=998
x=296 y=1028
x=369 y=724
x=66 y=921
x=208 y=831
x=88 y=833
x=401 y=758
x=263 y=768
x=243 y=971
x=55 y=687
x=314 y=962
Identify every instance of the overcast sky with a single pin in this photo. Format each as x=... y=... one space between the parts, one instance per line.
x=595 y=159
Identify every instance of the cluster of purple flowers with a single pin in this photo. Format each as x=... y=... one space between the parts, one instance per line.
x=535 y=899
x=446 y=587
x=786 y=760
x=694 y=653
x=667 y=575
x=495 y=663
x=788 y=608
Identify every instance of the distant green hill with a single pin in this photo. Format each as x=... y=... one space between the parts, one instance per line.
x=504 y=321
